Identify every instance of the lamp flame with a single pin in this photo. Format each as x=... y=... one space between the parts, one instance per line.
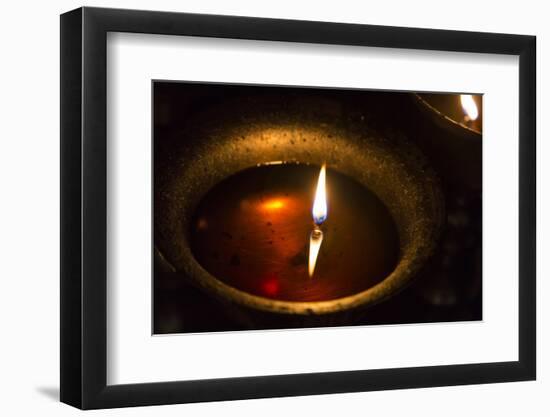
x=319 y=212
x=469 y=106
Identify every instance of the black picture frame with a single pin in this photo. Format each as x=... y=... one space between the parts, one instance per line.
x=83 y=207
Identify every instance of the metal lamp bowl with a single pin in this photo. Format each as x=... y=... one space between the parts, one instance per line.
x=243 y=133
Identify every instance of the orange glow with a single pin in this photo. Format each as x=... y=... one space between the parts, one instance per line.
x=469 y=106
x=273 y=204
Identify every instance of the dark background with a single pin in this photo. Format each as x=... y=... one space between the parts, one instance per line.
x=448 y=289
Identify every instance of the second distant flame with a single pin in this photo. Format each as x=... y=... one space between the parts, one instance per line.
x=469 y=106
x=320 y=210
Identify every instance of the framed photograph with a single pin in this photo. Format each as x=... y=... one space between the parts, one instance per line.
x=258 y=208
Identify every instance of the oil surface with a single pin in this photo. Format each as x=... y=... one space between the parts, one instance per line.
x=252 y=230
